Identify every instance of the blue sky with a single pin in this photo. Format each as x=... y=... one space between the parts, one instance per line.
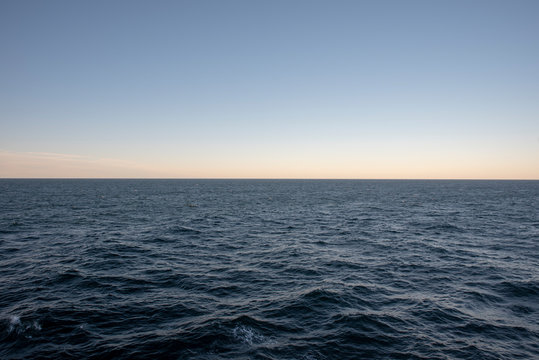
x=308 y=89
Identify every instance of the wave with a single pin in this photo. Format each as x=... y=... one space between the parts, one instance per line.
x=177 y=229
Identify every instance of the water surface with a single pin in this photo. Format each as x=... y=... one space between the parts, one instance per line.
x=269 y=269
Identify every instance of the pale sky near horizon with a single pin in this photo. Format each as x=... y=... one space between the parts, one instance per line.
x=270 y=89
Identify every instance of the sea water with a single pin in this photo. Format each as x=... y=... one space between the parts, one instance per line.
x=269 y=269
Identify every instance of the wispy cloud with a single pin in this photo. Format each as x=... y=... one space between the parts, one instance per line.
x=45 y=164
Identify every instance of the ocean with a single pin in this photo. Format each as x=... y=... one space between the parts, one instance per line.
x=269 y=269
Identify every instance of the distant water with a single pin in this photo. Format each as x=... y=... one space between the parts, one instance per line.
x=255 y=269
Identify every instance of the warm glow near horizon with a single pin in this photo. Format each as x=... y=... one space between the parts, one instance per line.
x=241 y=89
x=35 y=165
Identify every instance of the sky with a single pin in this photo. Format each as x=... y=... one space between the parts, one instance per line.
x=269 y=89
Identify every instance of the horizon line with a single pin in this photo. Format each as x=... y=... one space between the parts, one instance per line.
x=255 y=178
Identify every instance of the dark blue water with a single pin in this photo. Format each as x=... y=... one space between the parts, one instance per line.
x=254 y=269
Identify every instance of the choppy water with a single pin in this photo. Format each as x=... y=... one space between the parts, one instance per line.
x=216 y=269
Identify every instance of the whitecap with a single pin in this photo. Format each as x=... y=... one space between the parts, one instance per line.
x=18 y=326
x=14 y=323
x=247 y=335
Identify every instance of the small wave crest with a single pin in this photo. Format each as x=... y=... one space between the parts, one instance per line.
x=178 y=229
x=247 y=335
x=444 y=227
x=13 y=325
x=519 y=289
